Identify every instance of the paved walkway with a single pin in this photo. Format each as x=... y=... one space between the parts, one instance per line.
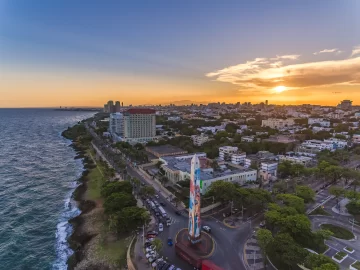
x=139 y=257
x=117 y=175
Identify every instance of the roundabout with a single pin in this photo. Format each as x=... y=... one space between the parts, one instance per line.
x=204 y=248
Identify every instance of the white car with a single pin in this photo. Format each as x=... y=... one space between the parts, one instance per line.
x=150 y=254
x=161 y=227
x=151 y=259
x=149 y=249
x=156 y=196
x=206 y=229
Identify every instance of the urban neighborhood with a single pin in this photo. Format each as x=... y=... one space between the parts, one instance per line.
x=228 y=186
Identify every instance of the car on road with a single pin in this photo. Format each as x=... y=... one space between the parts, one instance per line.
x=170 y=242
x=152 y=232
x=149 y=249
x=156 y=196
x=151 y=259
x=178 y=213
x=161 y=227
x=168 y=222
x=262 y=224
x=162 y=204
x=206 y=229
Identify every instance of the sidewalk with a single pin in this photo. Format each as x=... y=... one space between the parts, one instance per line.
x=139 y=257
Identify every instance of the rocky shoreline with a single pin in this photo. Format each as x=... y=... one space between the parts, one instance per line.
x=78 y=239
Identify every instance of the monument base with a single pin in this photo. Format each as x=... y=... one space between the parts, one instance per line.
x=202 y=247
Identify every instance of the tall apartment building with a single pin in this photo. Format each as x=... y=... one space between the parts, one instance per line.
x=268 y=170
x=320 y=121
x=116 y=124
x=117 y=106
x=139 y=125
x=277 y=123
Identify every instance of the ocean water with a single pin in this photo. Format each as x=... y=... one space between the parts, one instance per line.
x=38 y=174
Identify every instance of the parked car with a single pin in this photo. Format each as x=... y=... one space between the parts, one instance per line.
x=152 y=232
x=178 y=213
x=147 y=244
x=170 y=242
x=156 y=196
x=162 y=204
x=161 y=227
x=206 y=229
x=262 y=224
x=151 y=259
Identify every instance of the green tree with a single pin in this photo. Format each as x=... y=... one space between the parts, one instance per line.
x=285 y=252
x=117 y=201
x=306 y=193
x=292 y=201
x=231 y=128
x=222 y=191
x=353 y=207
x=313 y=261
x=333 y=173
x=147 y=191
x=115 y=187
x=131 y=217
x=158 y=244
x=264 y=238
x=337 y=192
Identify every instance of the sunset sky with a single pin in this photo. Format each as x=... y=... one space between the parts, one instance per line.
x=83 y=53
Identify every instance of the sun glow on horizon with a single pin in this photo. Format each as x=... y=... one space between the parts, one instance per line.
x=280 y=89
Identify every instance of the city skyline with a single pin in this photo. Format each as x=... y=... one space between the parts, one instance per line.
x=76 y=54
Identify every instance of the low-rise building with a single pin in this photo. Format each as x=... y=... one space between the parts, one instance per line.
x=356 y=138
x=178 y=168
x=320 y=121
x=238 y=158
x=296 y=159
x=174 y=118
x=225 y=152
x=199 y=140
x=268 y=170
x=165 y=150
x=337 y=143
x=247 y=138
x=277 y=123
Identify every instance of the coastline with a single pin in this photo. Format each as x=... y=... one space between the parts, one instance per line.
x=78 y=239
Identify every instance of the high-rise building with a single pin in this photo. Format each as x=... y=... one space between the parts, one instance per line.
x=116 y=124
x=111 y=106
x=194 y=228
x=266 y=102
x=117 y=106
x=134 y=125
x=139 y=124
x=106 y=108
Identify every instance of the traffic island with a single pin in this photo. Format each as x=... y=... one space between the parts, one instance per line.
x=203 y=249
x=355 y=266
x=349 y=250
x=340 y=256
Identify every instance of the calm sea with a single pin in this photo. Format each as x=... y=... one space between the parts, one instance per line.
x=37 y=177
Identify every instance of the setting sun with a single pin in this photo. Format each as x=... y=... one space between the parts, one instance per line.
x=280 y=88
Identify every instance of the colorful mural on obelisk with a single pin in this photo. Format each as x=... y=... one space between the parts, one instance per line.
x=194 y=203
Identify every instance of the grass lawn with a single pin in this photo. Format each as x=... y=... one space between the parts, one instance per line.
x=356 y=265
x=339 y=232
x=320 y=211
x=96 y=180
x=114 y=251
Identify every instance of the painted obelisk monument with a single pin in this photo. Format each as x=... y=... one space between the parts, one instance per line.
x=194 y=228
